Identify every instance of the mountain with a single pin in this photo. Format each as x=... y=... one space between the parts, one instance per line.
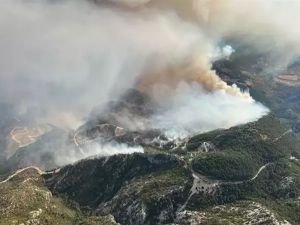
x=246 y=165
x=278 y=89
x=136 y=189
x=246 y=173
x=26 y=200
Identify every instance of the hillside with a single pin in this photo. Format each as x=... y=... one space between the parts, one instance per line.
x=250 y=170
x=149 y=112
x=251 y=176
x=26 y=200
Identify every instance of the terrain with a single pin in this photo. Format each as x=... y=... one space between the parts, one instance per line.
x=244 y=175
x=247 y=174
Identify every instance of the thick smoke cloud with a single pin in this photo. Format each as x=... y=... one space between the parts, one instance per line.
x=69 y=56
x=270 y=27
x=191 y=110
x=59 y=59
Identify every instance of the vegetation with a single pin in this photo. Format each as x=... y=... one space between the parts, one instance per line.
x=96 y=220
x=25 y=200
x=279 y=189
x=225 y=165
x=160 y=183
x=238 y=213
x=241 y=151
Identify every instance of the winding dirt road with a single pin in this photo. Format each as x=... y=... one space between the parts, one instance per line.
x=203 y=184
x=20 y=171
x=40 y=172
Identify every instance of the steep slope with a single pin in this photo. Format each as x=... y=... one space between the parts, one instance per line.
x=264 y=141
x=136 y=189
x=257 y=162
x=244 y=169
x=26 y=200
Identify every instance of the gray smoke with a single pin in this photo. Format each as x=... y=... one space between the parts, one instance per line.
x=59 y=59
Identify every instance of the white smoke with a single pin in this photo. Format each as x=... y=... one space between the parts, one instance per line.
x=71 y=55
x=227 y=51
x=223 y=52
x=95 y=149
x=111 y=149
x=268 y=26
x=191 y=110
x=59 y=59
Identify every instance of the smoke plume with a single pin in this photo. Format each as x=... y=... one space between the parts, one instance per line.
x=59 y=59
x=94 y=149
x=191 y=110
